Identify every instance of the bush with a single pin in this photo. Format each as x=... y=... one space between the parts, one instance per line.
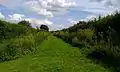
x=25 y=23
x=19 y=39
x=44 y=27
x=99 y=37
x=105 y=53
x=85 y=34
x=21 y=45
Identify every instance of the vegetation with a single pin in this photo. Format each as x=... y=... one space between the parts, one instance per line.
x=44 y=27
x=98 y=39
x=25 y=23
x=22 y=50
x=17 y=40
x=54 y=56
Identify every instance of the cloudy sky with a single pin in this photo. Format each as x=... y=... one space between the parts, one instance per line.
x=57 y=14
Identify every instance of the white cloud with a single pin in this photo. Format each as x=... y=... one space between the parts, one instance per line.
x=72 y=21
x=89 y=17
x=38 y=22
x=16 y=17
x=98 y=7
x=61 y=26
x=113 y=3
x=2 y=16
x=33 y=21
x=61 y=3
x=42 y=11
x=100 y=11
x=47 y=7
x=57 y=27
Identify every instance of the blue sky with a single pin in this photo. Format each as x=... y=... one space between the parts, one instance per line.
x=57 y=14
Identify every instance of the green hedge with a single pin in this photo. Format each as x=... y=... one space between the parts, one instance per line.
x=98 y=38
x=21 y=45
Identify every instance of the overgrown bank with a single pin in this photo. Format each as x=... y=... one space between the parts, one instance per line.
x=19 y=39
x=98 y=39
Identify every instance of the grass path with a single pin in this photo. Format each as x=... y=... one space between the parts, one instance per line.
x=54 y=56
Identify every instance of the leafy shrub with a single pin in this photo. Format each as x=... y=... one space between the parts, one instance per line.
x=106 y=54
x=10 y=30
x=21 y=45
x=99 y=37
x=19 y=39
x=25 y=23
x=44 y=27
x=85 y=34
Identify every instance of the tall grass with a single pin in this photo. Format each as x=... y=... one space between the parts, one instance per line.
x=98 y=38
x=21 y=45
x=18 y=40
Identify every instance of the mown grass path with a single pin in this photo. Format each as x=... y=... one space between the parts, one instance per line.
x=54 y=56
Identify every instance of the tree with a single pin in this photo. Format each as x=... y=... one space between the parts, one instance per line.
x=44 y=27
x=2 y=29
x=25 y=23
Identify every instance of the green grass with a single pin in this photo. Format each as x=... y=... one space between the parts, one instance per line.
x=54 y=56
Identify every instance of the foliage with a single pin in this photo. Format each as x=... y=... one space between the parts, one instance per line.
x=21 y=45
x=44 y=27
x=25 y=23
x=54 y=56
x=18 y=40
x=101 y=34
x=10 y=30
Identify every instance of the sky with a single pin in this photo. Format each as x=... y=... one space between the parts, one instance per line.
x=57 y=14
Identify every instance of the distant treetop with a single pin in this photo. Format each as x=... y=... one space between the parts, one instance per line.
x=25 y=23
x=44 y=27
